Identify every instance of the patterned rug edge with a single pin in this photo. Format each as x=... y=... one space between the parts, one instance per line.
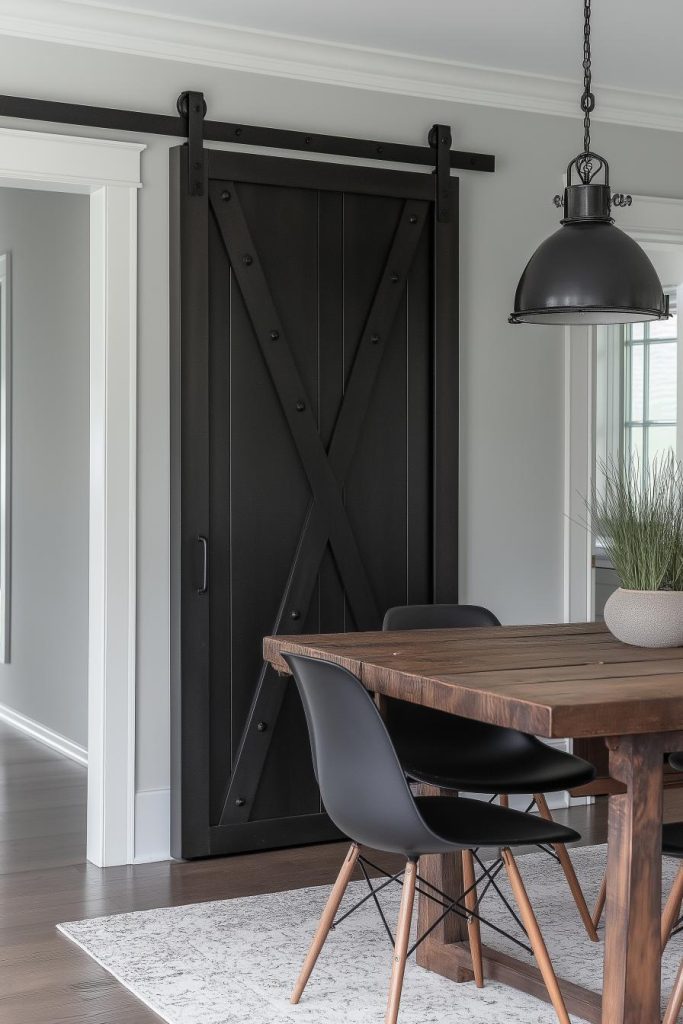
x=62 y=929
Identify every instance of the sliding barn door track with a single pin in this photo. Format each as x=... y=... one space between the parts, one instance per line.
x=191 y=124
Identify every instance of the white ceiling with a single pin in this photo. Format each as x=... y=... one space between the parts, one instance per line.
x=636 y=45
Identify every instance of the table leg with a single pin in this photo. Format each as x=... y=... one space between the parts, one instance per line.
x=631 y=985
x=445 y=872
x=446 y=951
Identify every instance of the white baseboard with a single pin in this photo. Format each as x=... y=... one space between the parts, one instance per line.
x=152 y=806
x=44 y=735
x=152 y=825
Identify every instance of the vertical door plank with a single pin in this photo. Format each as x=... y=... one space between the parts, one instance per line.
x=190 y=697
x=446 y=428
x=331 y=601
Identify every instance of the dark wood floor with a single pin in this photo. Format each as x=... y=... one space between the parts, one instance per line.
x=44 y=879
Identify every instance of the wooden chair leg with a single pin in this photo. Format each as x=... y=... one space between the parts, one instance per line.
x=503 y=800
x=535 y=938
x=473 y=929
x=600 y=902
x=405 y=917
x=672 y=910
x=569 y=873
x=675 y=999
x=326 y=920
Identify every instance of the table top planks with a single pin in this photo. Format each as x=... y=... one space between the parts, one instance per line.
x=552 y=680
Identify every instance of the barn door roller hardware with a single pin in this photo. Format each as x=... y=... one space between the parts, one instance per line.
x=192 y=107
x=191 y=124
x=440 y=138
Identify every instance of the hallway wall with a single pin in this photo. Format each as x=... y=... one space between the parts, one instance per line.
x=47 y=234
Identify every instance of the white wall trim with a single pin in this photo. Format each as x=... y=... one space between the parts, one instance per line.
x=49 y=737
x=192 y=41
x=153 y=813
x=76 y=164
x=111 y=687
x=110 y=174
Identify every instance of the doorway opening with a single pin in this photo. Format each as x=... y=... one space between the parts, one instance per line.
x=44 y=455
x=106 y=174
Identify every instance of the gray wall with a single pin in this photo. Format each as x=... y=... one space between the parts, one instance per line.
x=512 y=378
x=47 y=235
x=606 y=582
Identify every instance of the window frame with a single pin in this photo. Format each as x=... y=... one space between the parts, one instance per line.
x=627 y=422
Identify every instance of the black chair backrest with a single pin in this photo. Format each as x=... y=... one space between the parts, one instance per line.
x=438 y=616
x=411 y=723
x=361 y=781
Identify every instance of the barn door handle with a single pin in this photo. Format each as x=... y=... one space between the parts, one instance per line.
x=205 y=565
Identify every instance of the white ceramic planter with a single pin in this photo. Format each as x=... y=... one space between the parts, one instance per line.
x=646 y=618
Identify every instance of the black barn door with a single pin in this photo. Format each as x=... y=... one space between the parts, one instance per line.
x=315 y=456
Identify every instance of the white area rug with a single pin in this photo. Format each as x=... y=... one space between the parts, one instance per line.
x=235 y=961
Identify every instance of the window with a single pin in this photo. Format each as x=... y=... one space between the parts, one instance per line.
x=650 y=387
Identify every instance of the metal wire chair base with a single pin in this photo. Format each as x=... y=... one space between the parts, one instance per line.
x=446 y=902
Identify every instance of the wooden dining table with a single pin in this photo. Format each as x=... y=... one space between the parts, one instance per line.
x=555 y=681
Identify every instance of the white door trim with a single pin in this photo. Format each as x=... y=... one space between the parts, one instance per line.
x=109 y=172
x=656 y=224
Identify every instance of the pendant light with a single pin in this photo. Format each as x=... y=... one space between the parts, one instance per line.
x=589 y=271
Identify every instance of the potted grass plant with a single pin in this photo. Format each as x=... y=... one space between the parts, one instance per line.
x=638 y=518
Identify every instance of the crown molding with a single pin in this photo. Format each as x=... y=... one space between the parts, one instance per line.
x=655 y=221
x=97 y=26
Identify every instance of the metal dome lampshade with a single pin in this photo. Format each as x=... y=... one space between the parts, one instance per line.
x=589 y=271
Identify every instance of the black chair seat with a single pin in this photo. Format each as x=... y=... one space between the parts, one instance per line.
x=471 y=823
x=455 y=753
x=672 y=839
x=676 y=761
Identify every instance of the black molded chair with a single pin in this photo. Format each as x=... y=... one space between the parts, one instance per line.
x=451 y=753
x=365 y=792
